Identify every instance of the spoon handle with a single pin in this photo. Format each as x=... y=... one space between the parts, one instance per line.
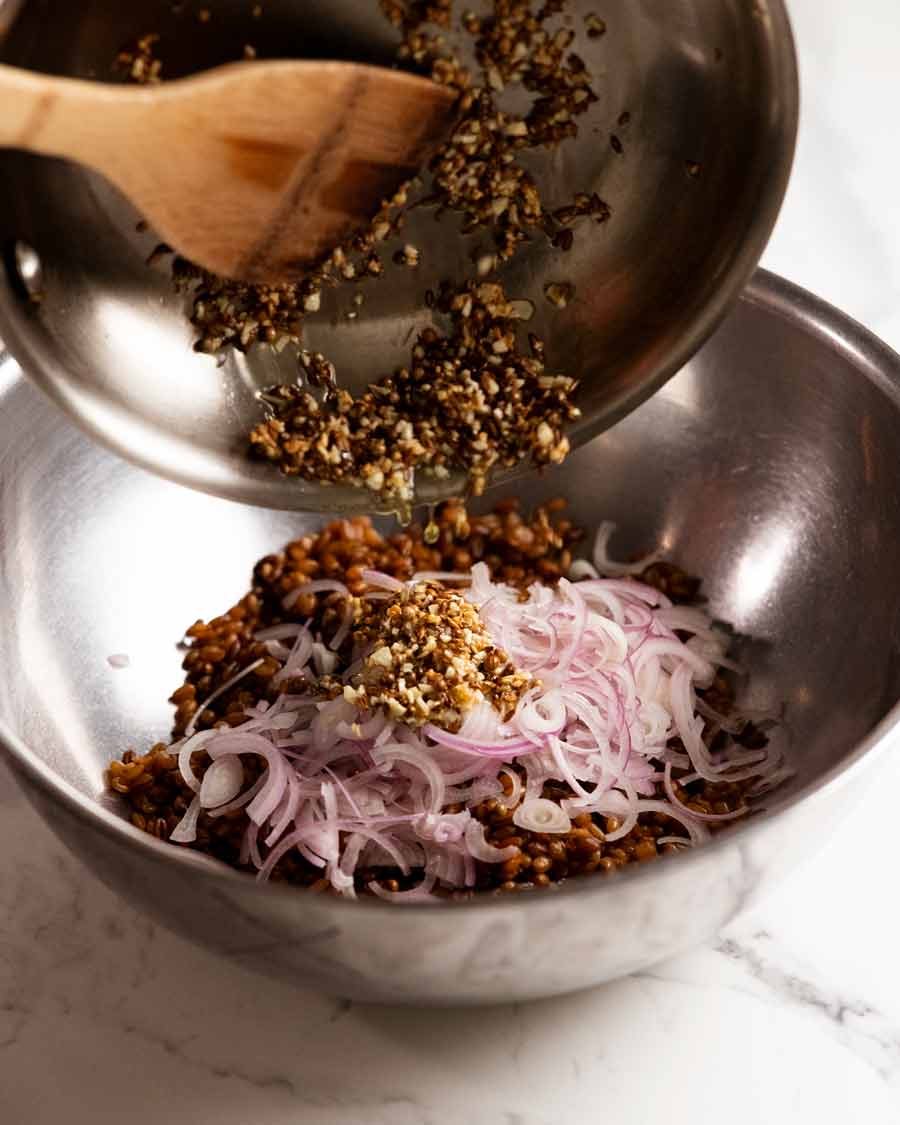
x=62 y=116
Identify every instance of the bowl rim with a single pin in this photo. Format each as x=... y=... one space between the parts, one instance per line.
x=214 y=476
x=779 y=298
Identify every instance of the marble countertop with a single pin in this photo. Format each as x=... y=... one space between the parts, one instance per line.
x=792 y=1014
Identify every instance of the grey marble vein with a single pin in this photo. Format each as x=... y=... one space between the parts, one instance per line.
x=858 y=1023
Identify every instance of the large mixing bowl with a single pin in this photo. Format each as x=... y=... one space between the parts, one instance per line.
x=711 y=90
x=769 y=466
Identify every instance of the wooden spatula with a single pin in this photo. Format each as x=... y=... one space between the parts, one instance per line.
x=252 y=170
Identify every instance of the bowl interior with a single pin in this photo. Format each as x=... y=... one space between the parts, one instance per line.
x=769 y=466
x=710 y=94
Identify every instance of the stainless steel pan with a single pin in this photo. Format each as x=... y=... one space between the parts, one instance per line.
x=710 y=86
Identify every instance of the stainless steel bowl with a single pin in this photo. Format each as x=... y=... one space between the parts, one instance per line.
x=711 y=87
x=769 y=466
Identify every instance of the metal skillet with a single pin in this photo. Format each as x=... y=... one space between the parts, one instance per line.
x=708 y=88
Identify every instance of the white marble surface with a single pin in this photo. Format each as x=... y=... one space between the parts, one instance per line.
x=793 y=1015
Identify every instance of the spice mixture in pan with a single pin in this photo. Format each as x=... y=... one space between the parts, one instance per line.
x=405 y=718
x=473 y=396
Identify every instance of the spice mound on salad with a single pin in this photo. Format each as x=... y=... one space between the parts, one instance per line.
x=451 y=710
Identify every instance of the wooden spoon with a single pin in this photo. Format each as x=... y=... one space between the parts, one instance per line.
x=252 y=170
